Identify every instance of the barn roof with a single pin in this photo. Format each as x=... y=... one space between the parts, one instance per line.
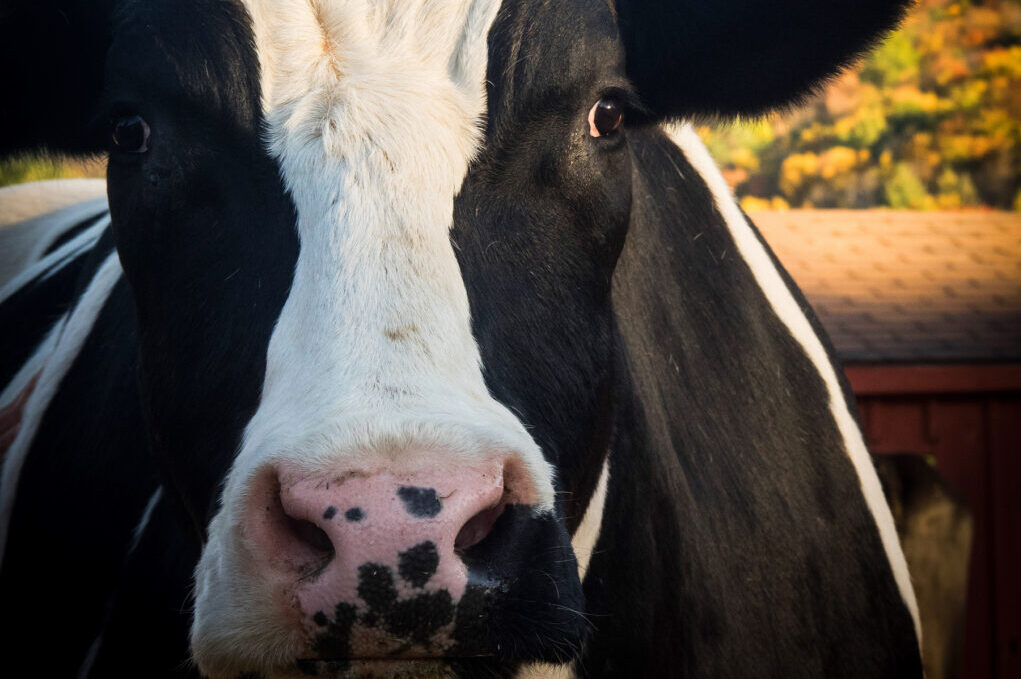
x=907 y=286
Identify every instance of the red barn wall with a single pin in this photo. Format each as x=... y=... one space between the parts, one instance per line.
x=967 y=417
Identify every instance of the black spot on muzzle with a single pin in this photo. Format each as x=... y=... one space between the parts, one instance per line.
x=419 y=563
x=421 y=502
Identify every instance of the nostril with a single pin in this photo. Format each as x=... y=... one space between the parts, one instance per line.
x=513 y=487
x=312 y=536
x=282 y=525
x=478 y=527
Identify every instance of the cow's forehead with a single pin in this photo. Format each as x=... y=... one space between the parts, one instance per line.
x=351 y=40
x=349 y=79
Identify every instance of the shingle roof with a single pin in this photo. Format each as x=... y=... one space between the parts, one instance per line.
x=907 y=286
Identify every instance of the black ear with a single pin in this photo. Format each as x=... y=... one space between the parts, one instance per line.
x=729 y=57
x=51 y=68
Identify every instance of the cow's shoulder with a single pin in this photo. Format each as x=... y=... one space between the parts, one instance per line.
x=36 y=215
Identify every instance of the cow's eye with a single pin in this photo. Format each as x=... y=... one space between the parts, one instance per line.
x=606 y=117
x=131 y=134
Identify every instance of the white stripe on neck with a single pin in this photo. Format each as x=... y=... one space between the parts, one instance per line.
x=791 y=315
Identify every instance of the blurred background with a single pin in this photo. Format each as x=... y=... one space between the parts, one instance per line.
x=894 y=200
x=930 y=121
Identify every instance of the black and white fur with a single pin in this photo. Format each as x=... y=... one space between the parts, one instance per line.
x=325 y=177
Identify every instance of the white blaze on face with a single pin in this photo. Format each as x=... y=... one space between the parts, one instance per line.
x=373 y=111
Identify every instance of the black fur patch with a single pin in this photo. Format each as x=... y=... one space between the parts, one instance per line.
x=474 y=618
x=736 y=57
x=421 y=502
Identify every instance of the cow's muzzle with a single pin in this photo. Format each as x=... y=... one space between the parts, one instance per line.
x=448 y=561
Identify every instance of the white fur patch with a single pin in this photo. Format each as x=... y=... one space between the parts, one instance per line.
x=143 y=523
x=791 y=315
x=583 y=542
x=90 y=658
x=373 y=113
x=546 y=671
x=70 y=335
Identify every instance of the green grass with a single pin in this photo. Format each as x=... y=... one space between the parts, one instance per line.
x=35 y=168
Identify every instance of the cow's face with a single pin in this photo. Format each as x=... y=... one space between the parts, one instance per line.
x=371 y=246
x=376 y=340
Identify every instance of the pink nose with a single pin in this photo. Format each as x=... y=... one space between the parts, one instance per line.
x=372 y=557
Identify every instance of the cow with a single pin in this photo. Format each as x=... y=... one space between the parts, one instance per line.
x=422 y=338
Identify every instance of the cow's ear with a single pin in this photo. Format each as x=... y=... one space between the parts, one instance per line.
x=731 y=57
x=52 y=55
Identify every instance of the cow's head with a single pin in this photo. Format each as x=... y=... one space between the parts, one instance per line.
x=371 y=246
